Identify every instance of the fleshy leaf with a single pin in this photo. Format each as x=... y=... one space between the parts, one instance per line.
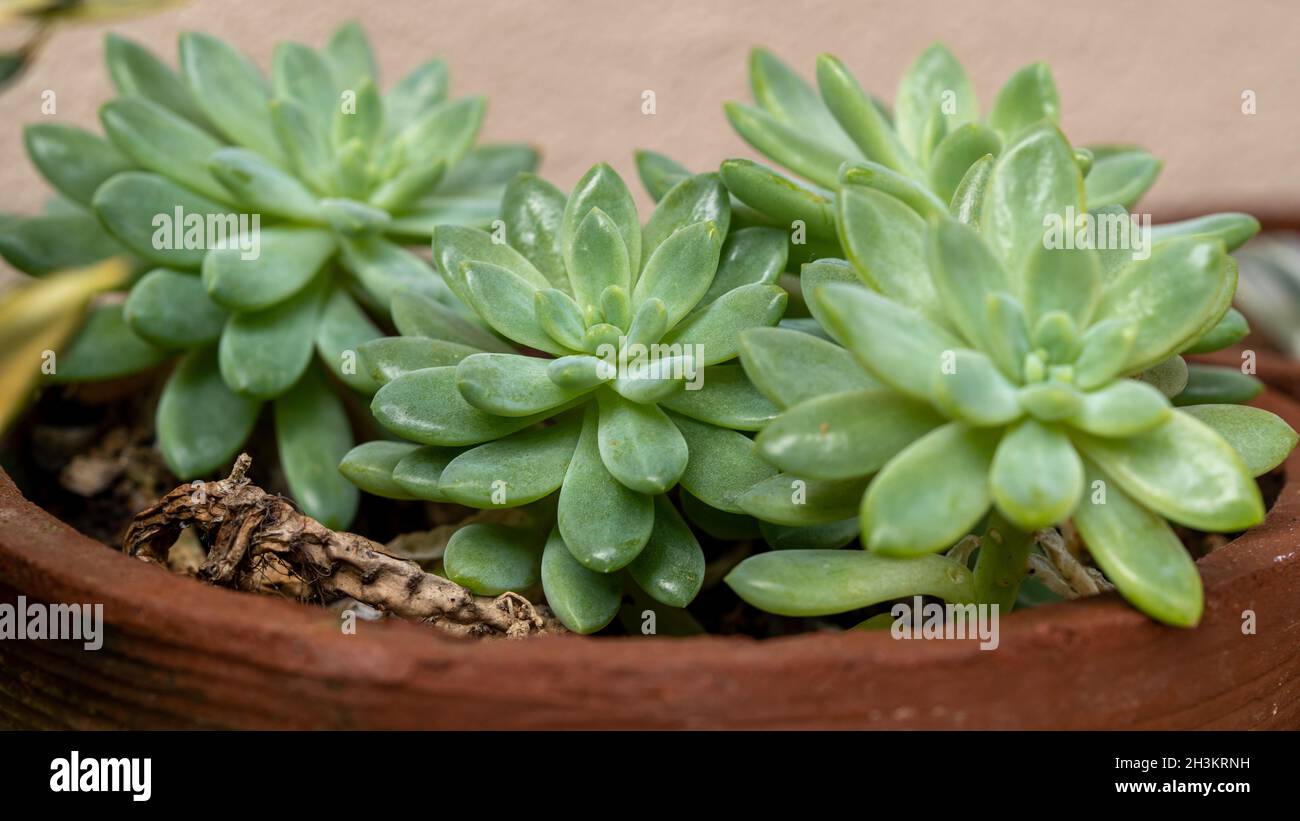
x=75 y=161
x=370 y=466
x=886 y=242
x=750 y=256
x=726 y=399
x=258 y=185
x=445 y=132
x=974 y=391
x=639 y=445
x=945 y=470
x=170 y=309
x=957 y=153
x=717 y=326
x=965 y=272
x=386 y=270
x=785 y=95
x=605 y=524
x=1033 y=180
x=723 y=464
x=350 y=55
x=287 y=259
x=598 y=259
x=1140 y=554
x=843 y=435
x=788 y=144
x=935 y=82
x=312 y=435
x=1211 y=384
x=858 y=115
x=164 y=142
x=824 y=582
x=700 y=198
x=343 y=328
x=39 y=245
x=1231 y=227
x=264 y=353
x=1123 y=408
x=895 y=343
x=418 y=473
x=201 y=424
x=1029 y=96
x=415 y=314
x=510 y=384
x=583 y=600
x=1036 y=476
x=136 y=72
x=1262 y=439
x=506 y=301
x=789 y=204
x=1184 y=471
x=1062 y=279
x=680 y=270
x=561 y=318
x=1168 y=297
x=301 y=74
x=1228 y=331
x=514 y=470
x=830 y=536
x=789 y=367
x=671 y=566
x=425 y=406
x=105 y=348
x=415 y=94
x=454 y=245
x=130 y=203
x=533 y=211
x=1103 y=350
x=1120 y=175
x=967 y=204
x=387 y=358
x=796 y=502
x=916 y=195
x=230 y=91
x=491 y=559
x=658 y=172
x=602 y=188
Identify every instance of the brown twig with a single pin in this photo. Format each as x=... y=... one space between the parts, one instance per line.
x=250 y=533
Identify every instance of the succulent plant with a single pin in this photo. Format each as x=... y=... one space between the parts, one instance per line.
x=608 y=379
x=192 y=166
x=935 y=155
x=924 y=149
x=984 y=378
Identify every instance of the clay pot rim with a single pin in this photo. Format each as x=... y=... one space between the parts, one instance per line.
x=46 y=559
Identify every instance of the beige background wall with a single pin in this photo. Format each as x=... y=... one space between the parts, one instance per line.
x=568 y=76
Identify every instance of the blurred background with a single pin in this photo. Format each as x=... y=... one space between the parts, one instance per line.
x=569 y=76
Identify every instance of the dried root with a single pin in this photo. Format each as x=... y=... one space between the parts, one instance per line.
x=1059 y=568
x=260 y=541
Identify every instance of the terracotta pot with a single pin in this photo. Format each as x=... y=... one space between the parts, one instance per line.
x=178 y=653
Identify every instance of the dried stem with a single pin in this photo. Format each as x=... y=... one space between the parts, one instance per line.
x=255 y=538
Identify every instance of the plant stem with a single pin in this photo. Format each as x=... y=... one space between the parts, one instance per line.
x=1002 y=563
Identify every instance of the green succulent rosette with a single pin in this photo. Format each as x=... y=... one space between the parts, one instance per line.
x=935 y=153
x=974 y=370
x=600 y=372
x=266 y=219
